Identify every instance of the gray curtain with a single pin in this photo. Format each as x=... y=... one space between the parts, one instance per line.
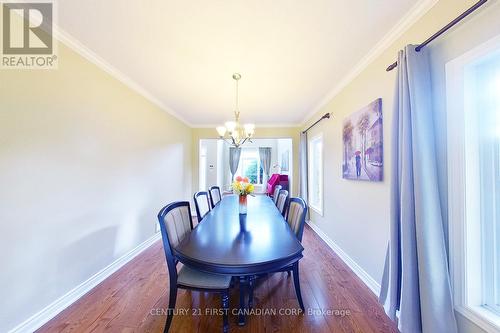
x=265 y=162
x=234 y=160
x=416 y=280
x=303 y=166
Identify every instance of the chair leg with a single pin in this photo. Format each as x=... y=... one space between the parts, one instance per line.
x=225 y=307
x=241 y=315
x=296 y=282
x=171 y=307
x=231 y=284
x=251 y=282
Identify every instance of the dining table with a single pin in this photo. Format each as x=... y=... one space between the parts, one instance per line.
x=244 y=246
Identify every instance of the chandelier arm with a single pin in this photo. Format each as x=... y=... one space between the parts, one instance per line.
x=226 y=140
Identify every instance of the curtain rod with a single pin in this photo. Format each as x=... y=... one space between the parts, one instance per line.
x=444 y=29
x=325 y=116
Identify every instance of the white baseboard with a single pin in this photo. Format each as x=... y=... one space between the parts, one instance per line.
x=360 y=272
x=39 y=319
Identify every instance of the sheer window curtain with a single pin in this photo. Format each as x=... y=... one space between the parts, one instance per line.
x=416 y=281
x=234 y=160
x=265 y=162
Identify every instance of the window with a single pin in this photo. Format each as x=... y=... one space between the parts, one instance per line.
x=315 y=170
x=249 y=165
x=474 y=183
x=486 y=97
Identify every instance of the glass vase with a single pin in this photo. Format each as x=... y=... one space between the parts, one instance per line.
x=243 y=204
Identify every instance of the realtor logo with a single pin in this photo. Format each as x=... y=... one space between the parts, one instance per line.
x=27 y=39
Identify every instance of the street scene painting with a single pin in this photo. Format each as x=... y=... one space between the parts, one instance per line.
x=363 y=144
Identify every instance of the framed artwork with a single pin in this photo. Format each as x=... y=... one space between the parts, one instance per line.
x=363 y=144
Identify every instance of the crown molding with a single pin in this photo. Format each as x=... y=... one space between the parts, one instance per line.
x=91 y=56
x=413 y=15
x=409 y=19
x=257 y=125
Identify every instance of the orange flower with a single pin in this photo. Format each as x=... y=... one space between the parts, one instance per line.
x=239 y=179
x=245 y=180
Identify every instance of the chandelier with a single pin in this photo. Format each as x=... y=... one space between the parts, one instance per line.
x=237 y=134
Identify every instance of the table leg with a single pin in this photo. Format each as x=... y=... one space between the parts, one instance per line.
x=241 y=312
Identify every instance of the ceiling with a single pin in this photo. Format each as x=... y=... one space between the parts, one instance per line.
x=290 y=53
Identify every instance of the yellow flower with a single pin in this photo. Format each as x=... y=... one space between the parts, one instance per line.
x=242 y=188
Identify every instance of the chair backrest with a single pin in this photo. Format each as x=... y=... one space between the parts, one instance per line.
x=175 y=223
x=215 y=195
x=202 y=204
x=297 y=210
x=282 y=201
x=277 y=190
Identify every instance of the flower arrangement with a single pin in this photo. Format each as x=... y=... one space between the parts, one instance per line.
x=242 y=187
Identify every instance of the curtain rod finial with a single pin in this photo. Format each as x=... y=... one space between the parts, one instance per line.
x=391 y=67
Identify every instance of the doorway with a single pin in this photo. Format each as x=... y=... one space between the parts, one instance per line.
x=214 y=162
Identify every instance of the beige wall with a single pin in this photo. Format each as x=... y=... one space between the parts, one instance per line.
x=85 y=165
x=260 y=133
x=356 y=213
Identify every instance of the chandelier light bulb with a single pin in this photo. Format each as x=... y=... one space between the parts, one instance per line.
x=221 y=130
x=249 y=129
x=230 y=126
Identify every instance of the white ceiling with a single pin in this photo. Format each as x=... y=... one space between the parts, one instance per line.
x=291 y=53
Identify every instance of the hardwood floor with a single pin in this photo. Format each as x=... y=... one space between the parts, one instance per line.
x=133 y=298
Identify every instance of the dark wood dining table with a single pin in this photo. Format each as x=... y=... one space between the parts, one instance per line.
x=244 y=246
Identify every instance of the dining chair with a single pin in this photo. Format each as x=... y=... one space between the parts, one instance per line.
x=202 y=204
x=175 y=223
x=282 y=201
x=277 y=190
x=296 y=218
x=215 y=196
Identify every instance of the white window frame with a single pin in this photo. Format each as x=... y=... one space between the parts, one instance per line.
x=317 y=209
x=463 y=208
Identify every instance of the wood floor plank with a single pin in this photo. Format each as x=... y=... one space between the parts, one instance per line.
x=132 y=300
